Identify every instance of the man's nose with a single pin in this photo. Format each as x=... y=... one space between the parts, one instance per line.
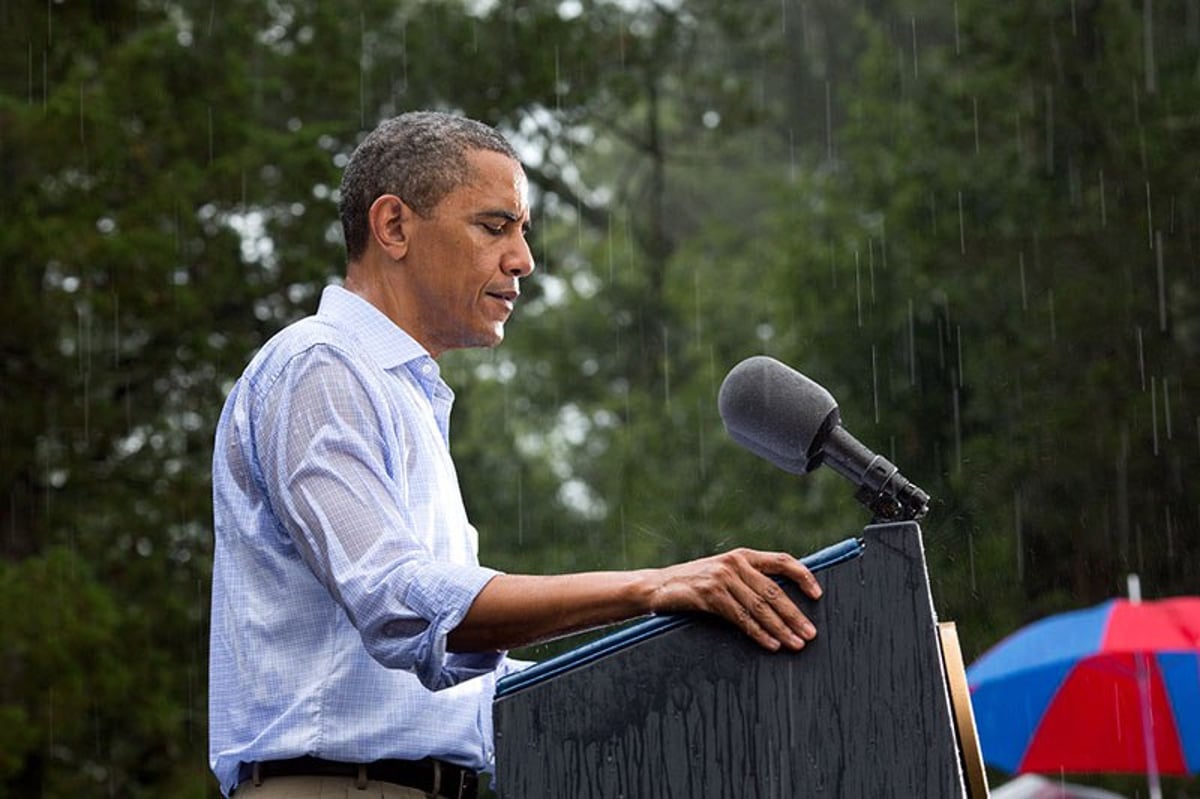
x=518 y=261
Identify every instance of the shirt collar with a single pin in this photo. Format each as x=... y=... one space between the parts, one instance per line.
x=383 y=340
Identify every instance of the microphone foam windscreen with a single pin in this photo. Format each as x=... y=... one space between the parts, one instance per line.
x=775 y=412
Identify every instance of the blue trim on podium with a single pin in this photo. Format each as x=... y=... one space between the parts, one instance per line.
x=830 y=556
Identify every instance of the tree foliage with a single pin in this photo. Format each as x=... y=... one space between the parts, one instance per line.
x=976 y=224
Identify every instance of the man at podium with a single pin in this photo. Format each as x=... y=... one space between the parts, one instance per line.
x=355 y=638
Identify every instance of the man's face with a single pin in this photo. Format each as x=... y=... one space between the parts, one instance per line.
x=468 y=256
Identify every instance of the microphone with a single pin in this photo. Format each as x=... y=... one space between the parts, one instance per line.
x=782 y=416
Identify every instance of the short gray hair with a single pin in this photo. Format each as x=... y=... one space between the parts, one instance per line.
x=420 y=157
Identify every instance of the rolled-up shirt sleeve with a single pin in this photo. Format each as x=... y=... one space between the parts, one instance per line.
x=339 y=469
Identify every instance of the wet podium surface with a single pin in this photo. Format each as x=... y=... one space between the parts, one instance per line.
x=688 y=707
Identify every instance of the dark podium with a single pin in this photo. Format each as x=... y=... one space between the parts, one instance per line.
x=687 y=707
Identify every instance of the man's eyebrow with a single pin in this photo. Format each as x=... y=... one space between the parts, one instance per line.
x=508 y=216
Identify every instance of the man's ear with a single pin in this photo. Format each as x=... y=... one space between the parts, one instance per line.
x=390 y=220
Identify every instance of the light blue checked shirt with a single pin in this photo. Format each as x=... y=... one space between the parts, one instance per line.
x=343 y=555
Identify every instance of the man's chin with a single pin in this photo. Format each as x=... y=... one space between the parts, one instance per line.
x=488 y=340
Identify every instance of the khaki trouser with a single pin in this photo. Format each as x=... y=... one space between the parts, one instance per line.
x=325 y=788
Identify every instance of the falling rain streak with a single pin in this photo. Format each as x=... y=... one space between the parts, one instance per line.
x=858 y=289
x=915 y=57
x=1166 y=407
x=958 y=340
x=1162 y=283
x=958 y=51
x=1149 y=219
x=875 y=381
x=871 y=267
x=1151 y=68
x=975 y=119
x=1154 y=412
x=958 y=463
x=962 y=230
x=1024 y=290
x=1141 y=357
x=1049 y=94
x=828 y=122
x=783 y=150
x=912 y=345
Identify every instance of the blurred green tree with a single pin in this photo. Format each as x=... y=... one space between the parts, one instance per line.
x=977 y=226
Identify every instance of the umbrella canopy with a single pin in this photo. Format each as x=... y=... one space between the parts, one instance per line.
x=1031 y=786
x=1113 y=688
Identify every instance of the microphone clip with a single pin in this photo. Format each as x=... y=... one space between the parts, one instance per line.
x=889 y=495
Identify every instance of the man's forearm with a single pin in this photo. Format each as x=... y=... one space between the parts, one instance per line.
x=515 y=610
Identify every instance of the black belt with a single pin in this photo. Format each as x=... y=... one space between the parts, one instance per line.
x=432 y=776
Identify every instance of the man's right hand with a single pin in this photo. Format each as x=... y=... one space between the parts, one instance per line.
x=516 y=610
x=737 y=586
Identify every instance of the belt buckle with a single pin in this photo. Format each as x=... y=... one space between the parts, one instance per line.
x=457 y=787
x=461 y=792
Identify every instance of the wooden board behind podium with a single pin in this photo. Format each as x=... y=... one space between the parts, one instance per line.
x=700 y=711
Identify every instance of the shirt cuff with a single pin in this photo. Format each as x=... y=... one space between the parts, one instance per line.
x=443 y=593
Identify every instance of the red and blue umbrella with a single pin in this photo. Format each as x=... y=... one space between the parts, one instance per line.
x=1114 y=688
